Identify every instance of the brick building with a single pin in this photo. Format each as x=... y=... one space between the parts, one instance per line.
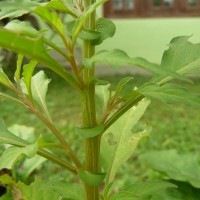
x=151 y=8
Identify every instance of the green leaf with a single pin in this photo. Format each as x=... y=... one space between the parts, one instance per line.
x=181 y=57
x=66 y=189
x=107 y=29
x=11 y=154
x=63 y=6
x=17 y=8
x=6 y=179
x=35 y=191
x=82 y=18
x=124 y=140
x=91 y=178
x=89 y=132
x=181 y=167
x=6 y=137
x=21 y=27
x=4 y=80
x=39 y=90
x=18 y=70
x=118 y=58
x=34 y=48
x=140 y=190
x=87 y=34
x=27 y=76
x=121 y=84
x=170 y=93
x=51 y=18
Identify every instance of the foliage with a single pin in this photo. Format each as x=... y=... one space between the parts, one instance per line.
x=112 y=133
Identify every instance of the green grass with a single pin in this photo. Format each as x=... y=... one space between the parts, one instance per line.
x=175 y=126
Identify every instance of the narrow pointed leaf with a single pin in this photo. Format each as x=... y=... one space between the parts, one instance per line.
x=18 y=70
x=6 y=137
x=107 y=29
x=82 y=18
x=34 y=48
x=10 y=155
x=39 y=90
x=89 y=132
x=4 y=80
x=170 y=93
x=27 y=75
x=91 y=178
x=2 y=95
x=51 y=18
x=124 y=140
x=118 y=58
x=63 y=6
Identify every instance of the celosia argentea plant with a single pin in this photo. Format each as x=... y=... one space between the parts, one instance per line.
x=106 y=132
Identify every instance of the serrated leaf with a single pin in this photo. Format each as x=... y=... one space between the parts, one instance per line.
x=27 y=76
x=182 y=57
x=4 y=80
x=33 y=48
x=107 y=29
x=140 y=190
x=91 y=178
x=11 y=154
x=89 y=132
x=6 y=137
x=66 y=189
x=39 y=90
x=181 y=167
x=87 y=34
x=170 y=93
x=82 y=18
x=21 y=27
x=124 y=140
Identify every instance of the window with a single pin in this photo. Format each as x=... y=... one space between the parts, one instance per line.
x=151 y=8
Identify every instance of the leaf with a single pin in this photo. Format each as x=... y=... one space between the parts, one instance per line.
x=140 y=190
x=87 y=34
x=18 y=70
x=124 y=140
x=170 y=93
x=182 y=57
x=89 y=132
x=66 y=189
x=70 y=6
x=4 y=80
x=17 y=8
x=51 y=18
x=21 y=27
x=107 y=29
x=39 y=90
x=91 y=178
x=181 y=167
x=34 y=191
x=11 y=154
x=66 y=7
x=6 y=137
x=82 y=18
x=27 y=76
x=118 y=58
x=6 y=179
x=121 y=84
x=34 y=48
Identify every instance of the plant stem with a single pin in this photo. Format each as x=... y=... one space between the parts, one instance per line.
x=92 y=145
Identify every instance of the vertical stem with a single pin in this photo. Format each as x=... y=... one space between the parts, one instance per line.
x=92 y=145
